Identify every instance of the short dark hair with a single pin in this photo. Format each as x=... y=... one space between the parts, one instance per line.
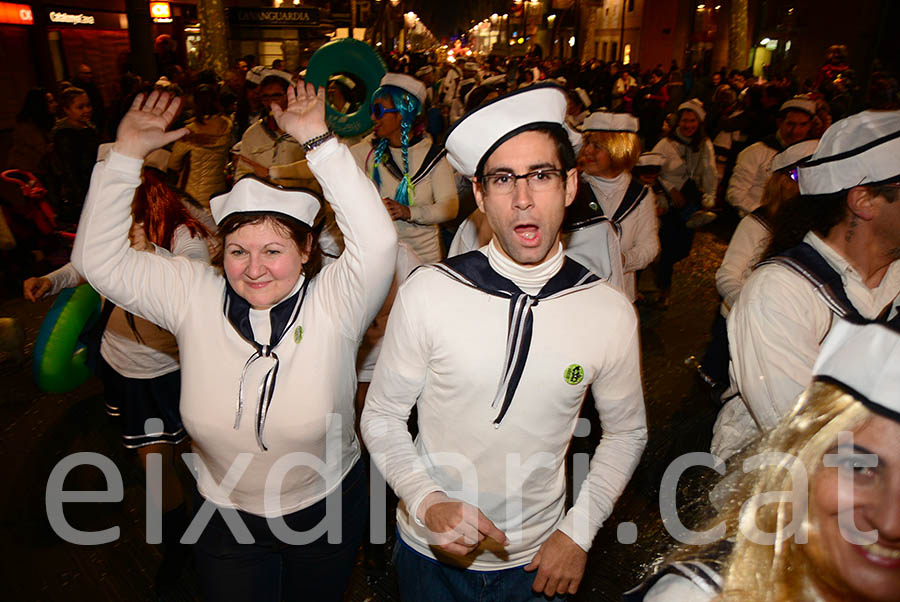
x=274 y=79
x=564 y=150
x=285 y=224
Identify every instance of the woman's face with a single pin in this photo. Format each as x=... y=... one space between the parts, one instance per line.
x=262 y=263
x=688 y=124
x=79 y=111
x=52 y=106
x=388 y=125
x=867 y=497
x=594 y=159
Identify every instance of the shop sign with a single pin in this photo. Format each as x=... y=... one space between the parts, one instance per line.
x=161 y=12
x=274 y=17
x=71 y=18
x=98 y=19
x=16 y=14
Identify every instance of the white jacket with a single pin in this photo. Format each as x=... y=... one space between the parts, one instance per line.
x=310 y=425
x=752 y=170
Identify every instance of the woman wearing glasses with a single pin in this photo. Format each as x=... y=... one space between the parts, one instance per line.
x=407 y=166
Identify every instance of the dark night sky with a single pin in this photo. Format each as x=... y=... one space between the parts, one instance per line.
x=446 y=17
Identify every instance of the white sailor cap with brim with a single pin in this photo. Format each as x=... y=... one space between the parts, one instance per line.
x=251 y=194
x=650 y=162
x=860 y=150
x=604 y=121
x=269 y=72
x=794 y=155
x=864 y=360
x=694 y=105
x=255 y=75
x=405 y=82
x=478 y=134
x=799 y=103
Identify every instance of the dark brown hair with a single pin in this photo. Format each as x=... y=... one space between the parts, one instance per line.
x=286 y=225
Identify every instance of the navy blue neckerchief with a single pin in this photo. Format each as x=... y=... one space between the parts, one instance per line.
x=809 y=263
x=282 y=317
x=586 y=209
x=473 y=269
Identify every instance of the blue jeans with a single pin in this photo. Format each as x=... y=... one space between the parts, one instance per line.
x=269 y=570
x=422 y=578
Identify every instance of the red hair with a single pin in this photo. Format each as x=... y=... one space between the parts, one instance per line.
x=161 y=210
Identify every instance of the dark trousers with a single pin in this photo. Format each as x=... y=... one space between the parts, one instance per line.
x=421 y=578
x=271 y=570
x=715 y=361
x=675 y=240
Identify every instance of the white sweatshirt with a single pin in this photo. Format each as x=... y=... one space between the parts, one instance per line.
x=682 y=163
x=444 y=351
x=639 y=241
x=774 y=334
x=313 y=399
x=752 y=169
x=747 y=245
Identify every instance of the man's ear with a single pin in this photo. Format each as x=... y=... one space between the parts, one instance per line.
x=860 y=201
x=571 y=185
x=478 y=191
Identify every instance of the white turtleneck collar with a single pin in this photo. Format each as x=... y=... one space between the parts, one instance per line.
x=531 y=279
x=259 y=318
x=610 y=191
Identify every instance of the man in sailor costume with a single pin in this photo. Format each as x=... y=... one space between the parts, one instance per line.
x=498 y=347
x=754 y=163
x=610 y=150
x=845 y=265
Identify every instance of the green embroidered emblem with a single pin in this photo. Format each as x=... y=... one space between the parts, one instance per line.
x=298 y=334
x=574 y=374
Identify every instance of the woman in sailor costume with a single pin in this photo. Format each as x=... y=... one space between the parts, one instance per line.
x=689 y=178
x=840 y=542
x=408 y=167
x=267 y=352
x=610 y=150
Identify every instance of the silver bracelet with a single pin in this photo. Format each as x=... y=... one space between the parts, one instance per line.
x=317 y=141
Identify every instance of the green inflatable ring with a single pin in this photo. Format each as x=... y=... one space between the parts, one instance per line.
x=347 y=56
x=59 y=357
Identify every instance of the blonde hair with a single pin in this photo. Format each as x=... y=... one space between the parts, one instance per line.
x=624 y=148
x=755 y=572
x=779 y=188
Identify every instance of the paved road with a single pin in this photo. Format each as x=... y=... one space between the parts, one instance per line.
x=39 y=429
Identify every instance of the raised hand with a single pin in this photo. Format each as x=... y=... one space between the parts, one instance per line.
x=143 y=129
x=304 y=117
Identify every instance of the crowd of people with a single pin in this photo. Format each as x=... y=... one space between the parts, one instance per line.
x=284 y=298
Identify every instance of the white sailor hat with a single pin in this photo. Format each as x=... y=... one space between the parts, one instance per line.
x=268 y=72
x=799 y=103
x=424 y=70
x=864 y=359
x=478 y=134
x=583 y=97
x=651 y=159
x=603 y=121
x=252 y=194
x=863 y=149
x=694 y=105
x=794 y=155
x=255 y=75
x=405 y=82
